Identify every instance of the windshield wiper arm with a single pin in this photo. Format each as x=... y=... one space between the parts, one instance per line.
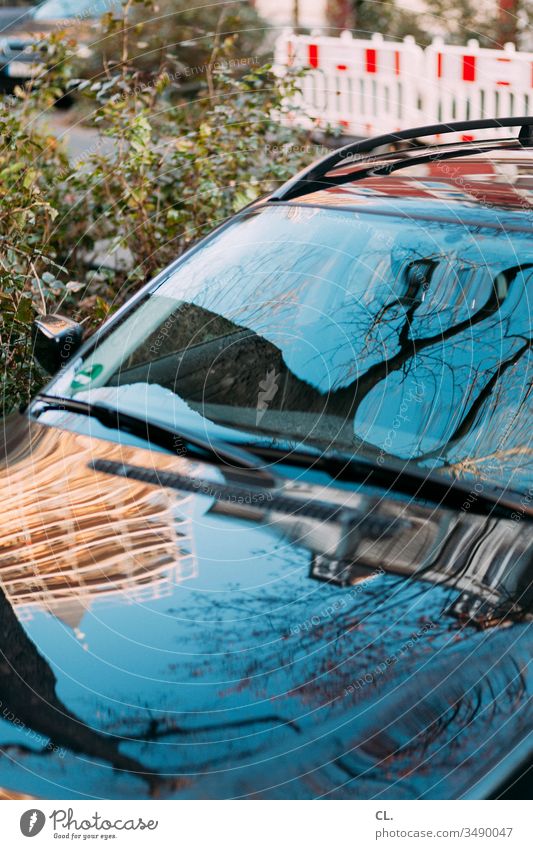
x=399 y=476
x=386 y=473
x=182 y=441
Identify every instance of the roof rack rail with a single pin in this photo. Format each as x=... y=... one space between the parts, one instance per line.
x=311 y=179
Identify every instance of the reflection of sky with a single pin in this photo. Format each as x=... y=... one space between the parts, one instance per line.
x=326 y=289
x=324 y=272
x=313 y=285
x=250 y=641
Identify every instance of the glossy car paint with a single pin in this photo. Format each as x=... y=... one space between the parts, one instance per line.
x=161 y=643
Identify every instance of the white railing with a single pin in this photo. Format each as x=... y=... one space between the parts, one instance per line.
x=369 y=86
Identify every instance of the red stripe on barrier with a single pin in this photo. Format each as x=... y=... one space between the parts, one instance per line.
x=371 y=60
x=342 y=67
x=466 y=138
x=469 y=69
x=397 y=62
x=312 y=52
x=439 y=64
x=502 y=82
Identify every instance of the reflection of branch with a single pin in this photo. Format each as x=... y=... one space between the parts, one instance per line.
x=28 y=691
x=157 y=731
x=471 y=464
x=469 y=687
x=355 y=392
x=468 y=420
x=215 y=360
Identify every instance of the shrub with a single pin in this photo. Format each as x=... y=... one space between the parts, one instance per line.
x=173 y=169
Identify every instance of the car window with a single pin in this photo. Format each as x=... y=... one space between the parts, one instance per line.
x=58 y=9
x=408 y=338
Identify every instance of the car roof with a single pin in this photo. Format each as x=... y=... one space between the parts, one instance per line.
x=494 y=175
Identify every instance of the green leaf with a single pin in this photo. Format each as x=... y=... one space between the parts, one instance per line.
x=24 y=312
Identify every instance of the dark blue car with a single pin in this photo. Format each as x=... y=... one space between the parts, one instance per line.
x=267 y=534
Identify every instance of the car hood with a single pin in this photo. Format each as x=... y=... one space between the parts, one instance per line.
x=176 y=644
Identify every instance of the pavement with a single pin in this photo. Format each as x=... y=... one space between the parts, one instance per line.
x=78 y=139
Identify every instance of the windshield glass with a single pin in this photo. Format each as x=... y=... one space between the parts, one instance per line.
x=388 y=334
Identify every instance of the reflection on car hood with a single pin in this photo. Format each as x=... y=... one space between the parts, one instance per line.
x=171 y=644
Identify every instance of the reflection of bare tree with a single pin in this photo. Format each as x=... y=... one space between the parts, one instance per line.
x=410 y=346
x=28 y=692
x=469 y=690
x=467 y=422
x=475 y=465
x=210 y=360
x=411 y=692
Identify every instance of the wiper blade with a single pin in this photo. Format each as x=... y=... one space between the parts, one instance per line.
x=385 y=473
x=397 y=476
x=275 y=502
x=181 y=442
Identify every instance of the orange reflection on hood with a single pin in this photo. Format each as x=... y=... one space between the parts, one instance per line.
x=71 y=534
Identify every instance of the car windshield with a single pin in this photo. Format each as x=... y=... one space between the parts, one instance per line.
x=400 y=335
x=58 y=9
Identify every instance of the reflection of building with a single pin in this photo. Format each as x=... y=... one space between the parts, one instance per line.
x=74 y=535
x=12 y=794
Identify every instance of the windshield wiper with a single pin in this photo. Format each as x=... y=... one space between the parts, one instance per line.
x=402 y=477
x=181 y=442
x=385 y=473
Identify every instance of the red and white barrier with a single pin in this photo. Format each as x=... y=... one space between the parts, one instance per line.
x=364 y=86
x=370 y=86
x=465 y=83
